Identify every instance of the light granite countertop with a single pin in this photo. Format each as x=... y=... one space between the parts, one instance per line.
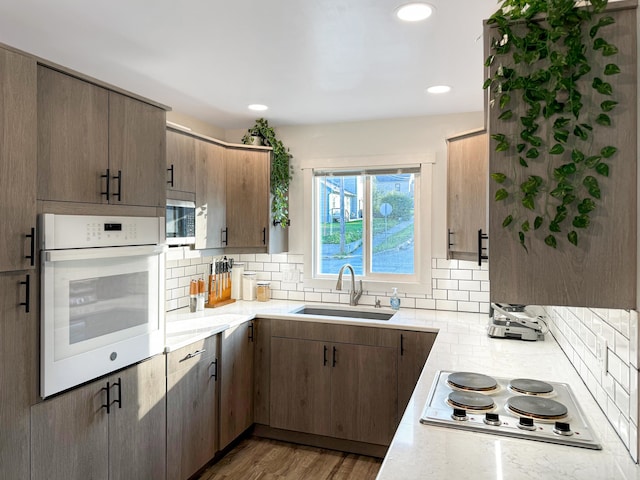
x=424 y=451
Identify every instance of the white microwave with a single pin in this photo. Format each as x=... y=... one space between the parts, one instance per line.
x=181 y=222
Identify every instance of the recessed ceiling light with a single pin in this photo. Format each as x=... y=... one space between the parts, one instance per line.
x=258 y=107
x=439 y=89
x=414 y=12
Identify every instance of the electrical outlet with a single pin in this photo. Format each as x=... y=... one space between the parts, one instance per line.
x=601 y=352
x=290 y=276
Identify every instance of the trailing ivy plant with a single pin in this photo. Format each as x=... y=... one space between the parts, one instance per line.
x=281 y=170
x=540 y=60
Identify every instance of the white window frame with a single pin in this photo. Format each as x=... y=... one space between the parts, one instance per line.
x=421 y=280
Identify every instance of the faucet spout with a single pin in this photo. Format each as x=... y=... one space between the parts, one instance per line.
x=354 y=295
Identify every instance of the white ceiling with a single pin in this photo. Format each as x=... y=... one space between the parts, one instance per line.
x=311 y=61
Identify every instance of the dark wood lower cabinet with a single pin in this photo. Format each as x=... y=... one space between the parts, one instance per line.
x=192 y=408
x=346 y=389
x=364 y=395
x=73 y=436
x=413 y=350
x=236 y=381
x=300 y=385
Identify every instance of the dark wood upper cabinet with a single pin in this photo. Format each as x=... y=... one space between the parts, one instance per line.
x=17 y=160
x=467 y=179
x=599 y=272
x=98 y=146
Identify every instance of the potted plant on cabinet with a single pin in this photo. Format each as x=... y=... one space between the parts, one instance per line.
x=280 y=168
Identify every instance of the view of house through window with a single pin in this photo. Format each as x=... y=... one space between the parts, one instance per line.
x=366 y=220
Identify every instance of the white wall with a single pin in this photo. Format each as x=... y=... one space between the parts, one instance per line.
x=418 y=135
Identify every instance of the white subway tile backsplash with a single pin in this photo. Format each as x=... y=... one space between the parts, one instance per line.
x=296 y=296
x=443 y=273
x=447 y=284
x=469 y=307
x=444 y=263
x=446 y=305
x=312 y=297
x=480 y=275
x=458 y=295
x=426 y=304
x=461 y=274
x=577 y=331
x=633 y=339
x=439 y=294
x=471 y=285
x=479 y=297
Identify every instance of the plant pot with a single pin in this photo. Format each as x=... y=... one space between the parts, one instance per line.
x=256 y=140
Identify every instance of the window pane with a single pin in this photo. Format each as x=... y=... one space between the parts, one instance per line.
x=339 y=204
x=392 y=241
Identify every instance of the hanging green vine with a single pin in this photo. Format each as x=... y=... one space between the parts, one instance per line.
x=541 y=62
x=281 y=170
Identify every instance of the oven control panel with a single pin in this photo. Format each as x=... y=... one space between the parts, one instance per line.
x=88 y=231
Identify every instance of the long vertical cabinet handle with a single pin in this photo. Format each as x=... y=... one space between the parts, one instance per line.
x=264 y=236
x=251 y=331
x=401 y=344
x=481 y=256
x=108 y=404
x=119 y=178
x=324 y=356
x=32 y=250
x=215 y=370
x=119 y=400
x=170 y=169
x=107 y=176
x=27 y=293
x=225 y=239
x=333 y=364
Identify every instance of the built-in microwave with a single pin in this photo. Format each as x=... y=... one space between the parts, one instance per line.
x=181 y=222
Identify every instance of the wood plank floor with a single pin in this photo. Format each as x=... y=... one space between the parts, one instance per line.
x=262 y=459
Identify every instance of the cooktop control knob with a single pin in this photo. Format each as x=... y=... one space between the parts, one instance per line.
x=459 y=414
x=527 y=424
x=562 y=428
x=492 y=419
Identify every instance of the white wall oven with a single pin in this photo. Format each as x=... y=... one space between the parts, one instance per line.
x=102 y=296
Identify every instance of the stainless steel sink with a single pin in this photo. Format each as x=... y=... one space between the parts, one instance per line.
x=343 y=312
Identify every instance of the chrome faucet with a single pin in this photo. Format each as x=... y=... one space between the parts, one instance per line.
x=354 y=295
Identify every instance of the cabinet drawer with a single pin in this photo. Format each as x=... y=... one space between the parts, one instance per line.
x=329 y=332
x=188 y=356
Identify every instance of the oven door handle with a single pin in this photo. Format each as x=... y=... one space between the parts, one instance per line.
x=105 y=252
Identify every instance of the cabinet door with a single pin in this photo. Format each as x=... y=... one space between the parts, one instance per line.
x=69 y=436
x=236 y=382
x=364 y=395
x=467 y=177
x=192 y=410
x=18 y=106
x=300 y=385
x=17 y=344
x=247 y=197
x=137 y=149
x=73 y=138
x=137 y=424
x=210 y=195
x=181 y=162
x=412 y=355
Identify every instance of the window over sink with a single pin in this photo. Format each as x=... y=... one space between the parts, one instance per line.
x=376 y=219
